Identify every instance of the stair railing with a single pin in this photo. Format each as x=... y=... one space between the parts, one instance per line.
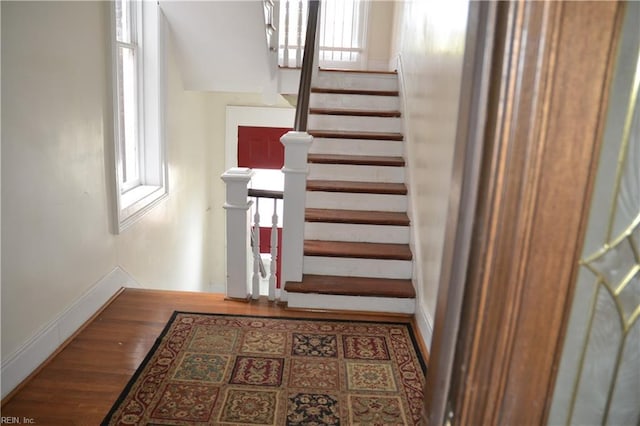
x=259 y=272
x=271 y=31
x=238 y=234
x=296 y=148
x=245 y=207
x=243 y=275
x=304 y=89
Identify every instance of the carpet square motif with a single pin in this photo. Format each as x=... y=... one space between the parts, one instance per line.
x=370 y=377
x=365 y=347
x=213 y=339
x=253 y=407
x=321 y=345
x=375 y=410
x=217 y=369
x=202 y=367
x=186 y=402
x=264 y=342
x=257 y=371
x=314 y=373
x=313 y=409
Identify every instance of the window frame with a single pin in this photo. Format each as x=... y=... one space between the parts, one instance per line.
x=133 y=199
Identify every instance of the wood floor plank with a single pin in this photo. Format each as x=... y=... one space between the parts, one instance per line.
x=80 y=384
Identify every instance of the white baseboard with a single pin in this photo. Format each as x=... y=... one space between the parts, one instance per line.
x=423 y=318
x=19 y=365
x=425 y=325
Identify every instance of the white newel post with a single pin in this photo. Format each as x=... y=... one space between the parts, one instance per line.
x=296 y=147
x=238 y=207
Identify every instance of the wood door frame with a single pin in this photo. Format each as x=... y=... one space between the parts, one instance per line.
x=472 y=119
x=546 y=109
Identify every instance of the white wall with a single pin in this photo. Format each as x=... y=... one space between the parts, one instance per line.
x=430 y=43
x=379 y=34
x=56 y=203
x=222 y=45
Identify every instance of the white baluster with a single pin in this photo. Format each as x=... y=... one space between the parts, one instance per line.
x=299 y=31
x=274 y=252
x=256 y=251
x=238 y=208
x=286 y=34
x=296 y=148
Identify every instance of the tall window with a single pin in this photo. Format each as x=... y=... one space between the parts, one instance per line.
x=127 y=78
x=141 y=172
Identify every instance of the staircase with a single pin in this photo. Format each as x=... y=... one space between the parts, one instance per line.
x=356 y=248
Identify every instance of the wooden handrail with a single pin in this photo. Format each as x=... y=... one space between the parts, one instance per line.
x=302 y=107
x=265 y=193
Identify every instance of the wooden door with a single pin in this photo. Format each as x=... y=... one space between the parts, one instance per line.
x=501 y=316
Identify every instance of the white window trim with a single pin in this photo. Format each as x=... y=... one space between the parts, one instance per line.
x=133 y=203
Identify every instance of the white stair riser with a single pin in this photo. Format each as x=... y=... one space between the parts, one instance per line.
x=349 y=80
x=324 y=231
x=353 y=201
x=354 y=123
x=356 y=173
x=362 y=102
x=351 y=303
x=356 y=147
x=348 y=267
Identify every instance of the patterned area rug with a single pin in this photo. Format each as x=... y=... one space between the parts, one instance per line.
x=239 y=370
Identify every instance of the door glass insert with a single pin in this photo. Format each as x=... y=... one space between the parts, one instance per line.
x=599 y=377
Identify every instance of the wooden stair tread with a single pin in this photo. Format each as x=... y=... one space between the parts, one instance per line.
x=360 y=160
x=344 y=134
x=362 y=217
x=355 y=112
x=371 y=92
x=357 y=187
x=357 y=250
x=353 y=286
x=359 y=71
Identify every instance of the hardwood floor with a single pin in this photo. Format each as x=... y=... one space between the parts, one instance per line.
x=81 y=382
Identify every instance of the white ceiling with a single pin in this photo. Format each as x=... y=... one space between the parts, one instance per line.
x=221 y=45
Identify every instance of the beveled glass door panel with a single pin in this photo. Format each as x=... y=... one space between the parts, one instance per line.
x=599 y=377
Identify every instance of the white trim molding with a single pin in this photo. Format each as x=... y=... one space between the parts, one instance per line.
x=19 y=365
x=423 y=317
x=425 y=325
